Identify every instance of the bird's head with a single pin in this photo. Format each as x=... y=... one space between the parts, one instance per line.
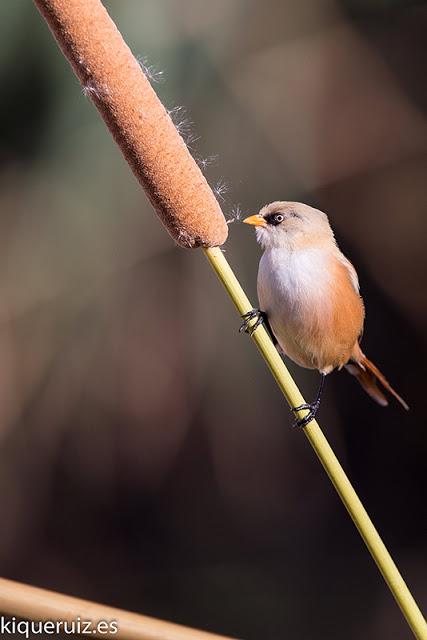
x=290 y=224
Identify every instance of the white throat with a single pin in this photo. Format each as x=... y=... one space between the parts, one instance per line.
x=274 y=238
x=291 y=277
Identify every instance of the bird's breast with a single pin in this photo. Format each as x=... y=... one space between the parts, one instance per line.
x=313 y=307
x=293 y=282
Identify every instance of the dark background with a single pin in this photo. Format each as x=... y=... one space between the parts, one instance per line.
x=146 y=456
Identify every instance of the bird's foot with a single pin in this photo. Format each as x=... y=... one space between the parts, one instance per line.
x=312 y=408
x=253 y=314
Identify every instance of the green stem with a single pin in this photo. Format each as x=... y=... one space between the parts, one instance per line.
x=324 y=452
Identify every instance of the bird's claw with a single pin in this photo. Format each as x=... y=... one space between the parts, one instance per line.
x=253 y=314
x=312 y=411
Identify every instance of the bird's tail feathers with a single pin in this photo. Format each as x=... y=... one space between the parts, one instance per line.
x=368 y=375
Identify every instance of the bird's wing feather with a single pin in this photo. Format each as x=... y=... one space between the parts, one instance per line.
x=351 y=270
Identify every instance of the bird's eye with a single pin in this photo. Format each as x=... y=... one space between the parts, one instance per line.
x=278 y=218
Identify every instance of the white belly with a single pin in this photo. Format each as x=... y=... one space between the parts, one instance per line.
x=293 y=289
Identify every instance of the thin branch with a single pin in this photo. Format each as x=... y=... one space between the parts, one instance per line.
x=324 y=452
x=32 y=603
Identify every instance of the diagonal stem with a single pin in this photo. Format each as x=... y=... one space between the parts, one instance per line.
x=31 y=603
x=324 y=452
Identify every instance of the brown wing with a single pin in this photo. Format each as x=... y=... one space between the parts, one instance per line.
x=346 y=315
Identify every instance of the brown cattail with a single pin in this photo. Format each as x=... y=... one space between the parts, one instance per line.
x=140 y=124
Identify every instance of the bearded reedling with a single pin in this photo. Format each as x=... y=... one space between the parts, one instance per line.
x=309 y=298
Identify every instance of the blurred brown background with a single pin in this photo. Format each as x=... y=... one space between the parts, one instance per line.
x=146 y=456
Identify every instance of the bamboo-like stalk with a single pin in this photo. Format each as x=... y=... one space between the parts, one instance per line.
x=336 y=473
x=32 y=603
x=184 y=202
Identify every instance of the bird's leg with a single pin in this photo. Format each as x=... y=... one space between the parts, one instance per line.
x=312 y=407
x=261 y=318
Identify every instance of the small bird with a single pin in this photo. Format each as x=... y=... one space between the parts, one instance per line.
x=309 y=298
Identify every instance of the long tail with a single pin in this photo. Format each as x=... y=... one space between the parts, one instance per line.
x=368 y=375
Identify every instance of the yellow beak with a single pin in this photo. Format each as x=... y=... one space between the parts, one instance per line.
x=256 y=220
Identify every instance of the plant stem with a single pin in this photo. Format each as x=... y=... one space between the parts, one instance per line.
x=32 y=603
x=324 y=452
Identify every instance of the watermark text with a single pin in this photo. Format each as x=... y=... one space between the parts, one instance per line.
x=78 y=626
